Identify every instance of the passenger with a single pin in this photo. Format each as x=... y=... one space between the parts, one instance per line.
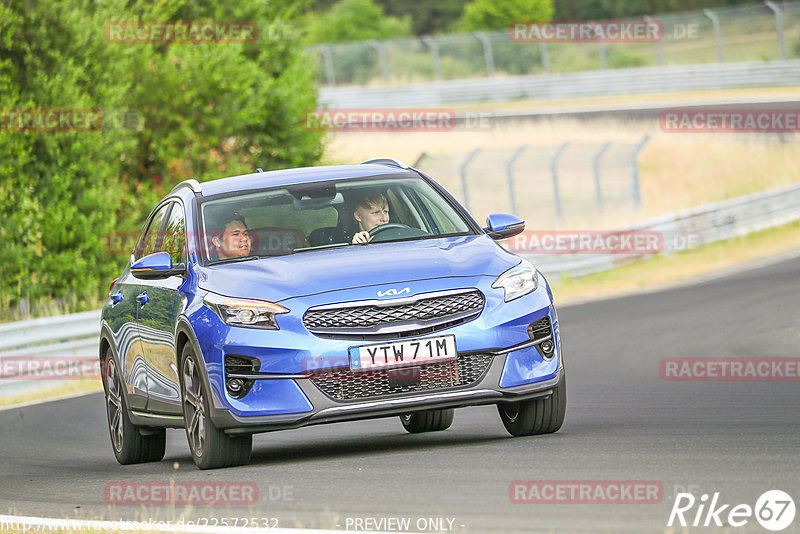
x=231 y=239
x=372 y=210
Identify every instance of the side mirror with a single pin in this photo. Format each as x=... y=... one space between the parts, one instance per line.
x=503 y=225
x=157 y=266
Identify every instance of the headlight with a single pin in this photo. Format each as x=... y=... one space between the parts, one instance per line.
x=518 y=281
x=245 y=312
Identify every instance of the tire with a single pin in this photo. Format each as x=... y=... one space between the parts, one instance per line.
x=428 y=421
x=211 y=447
x=536 y=416
x=130 y=446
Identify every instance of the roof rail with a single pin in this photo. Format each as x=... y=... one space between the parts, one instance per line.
x=192 y=183
x=386 y=161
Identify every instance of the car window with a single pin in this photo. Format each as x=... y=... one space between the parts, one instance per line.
x=296 y=218
x=151 y=238
x=175 y=234
x=437 y=210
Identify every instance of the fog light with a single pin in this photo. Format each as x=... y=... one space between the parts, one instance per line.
x=547 y=346
x=235 y=385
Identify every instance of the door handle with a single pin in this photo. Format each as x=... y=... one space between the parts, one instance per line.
x=142 y=298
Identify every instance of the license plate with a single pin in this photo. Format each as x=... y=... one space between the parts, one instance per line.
x=402 y=353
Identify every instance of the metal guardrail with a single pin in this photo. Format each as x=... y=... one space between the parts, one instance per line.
x=618 y=82
x=63 y=338
x=23 y=336
x=687 y=229
x=78 y=334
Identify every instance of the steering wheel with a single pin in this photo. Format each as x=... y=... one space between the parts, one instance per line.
x=388 y=226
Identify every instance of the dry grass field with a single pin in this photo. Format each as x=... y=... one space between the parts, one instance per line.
x=677 y=170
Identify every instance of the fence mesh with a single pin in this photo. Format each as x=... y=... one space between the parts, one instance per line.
x=746 y=33
x=556 y=184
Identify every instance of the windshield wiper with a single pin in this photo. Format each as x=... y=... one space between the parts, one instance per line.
x=320 y=247
x=236 y=259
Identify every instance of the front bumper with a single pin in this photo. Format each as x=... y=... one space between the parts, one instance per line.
x=329 y=411
x=288 y=398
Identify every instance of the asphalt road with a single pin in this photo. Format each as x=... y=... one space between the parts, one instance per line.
x=623 y=423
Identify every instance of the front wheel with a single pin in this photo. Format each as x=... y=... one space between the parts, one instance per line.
x=129 y=444
x=211 y=447
x=536 y=416
x=427 y=421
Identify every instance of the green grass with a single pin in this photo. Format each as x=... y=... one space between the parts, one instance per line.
x=665 y=270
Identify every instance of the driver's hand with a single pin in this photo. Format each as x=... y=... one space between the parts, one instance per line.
x=361 y=238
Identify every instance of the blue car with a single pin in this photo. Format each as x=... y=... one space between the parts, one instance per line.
x=280 y=299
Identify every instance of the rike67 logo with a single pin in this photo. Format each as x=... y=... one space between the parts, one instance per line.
x=774 y=510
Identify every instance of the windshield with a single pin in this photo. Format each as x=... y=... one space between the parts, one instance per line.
x=304 y=217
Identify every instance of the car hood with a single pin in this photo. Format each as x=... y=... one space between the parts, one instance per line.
x=323 y=270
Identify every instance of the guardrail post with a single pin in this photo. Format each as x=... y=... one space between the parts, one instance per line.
x=488 y=55
x=383 y=60
x=601 y=46
x=545 y=55
x=510 y=175
x=778 y=26
x=598 y=188
x=554 y=174
x=717 y=33
x=327 y=59
x=463 y=172
x=636 y=196
x=657 y=43
x=431 y=43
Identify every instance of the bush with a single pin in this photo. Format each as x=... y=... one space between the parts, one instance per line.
x=355 y=20
x=621 y=58
x=499 y=14
x=205 y=111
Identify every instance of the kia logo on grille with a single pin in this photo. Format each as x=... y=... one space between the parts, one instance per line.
x=393 y=292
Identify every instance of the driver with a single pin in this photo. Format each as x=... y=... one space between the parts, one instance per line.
x=231 y=239
x=371 y=211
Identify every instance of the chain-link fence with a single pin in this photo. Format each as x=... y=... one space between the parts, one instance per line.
x=755 y=32
x=555 y=183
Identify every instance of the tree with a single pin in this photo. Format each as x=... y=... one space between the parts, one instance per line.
x=427 y=17
x=355 y=20
x=205 y=111
x=499 y=14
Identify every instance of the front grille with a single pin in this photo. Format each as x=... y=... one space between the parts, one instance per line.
x=343 y=384
x=395 y=318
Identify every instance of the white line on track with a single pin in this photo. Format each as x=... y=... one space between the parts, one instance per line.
x=33 y=524
x=49 y=399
